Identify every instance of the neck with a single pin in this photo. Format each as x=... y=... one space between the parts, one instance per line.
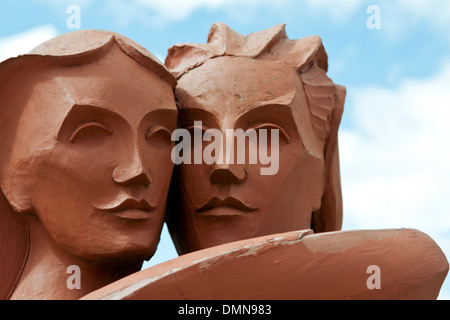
x=51 y=273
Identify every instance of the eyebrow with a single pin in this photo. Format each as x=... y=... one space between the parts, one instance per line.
x=284 y=100
x=263 y=110
x=194 y=114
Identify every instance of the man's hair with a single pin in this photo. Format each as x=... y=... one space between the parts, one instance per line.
x=307 y=55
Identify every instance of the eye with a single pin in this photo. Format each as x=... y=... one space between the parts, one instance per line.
x=90 y=132
x=271 y=126
x=158 y=132
x=199 y=129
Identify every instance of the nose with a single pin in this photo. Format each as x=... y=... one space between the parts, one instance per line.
x=132 y=172
x=226 y=174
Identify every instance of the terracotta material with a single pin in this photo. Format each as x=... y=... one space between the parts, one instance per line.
x=295 y=265
x=85 y=122
x=263 y=80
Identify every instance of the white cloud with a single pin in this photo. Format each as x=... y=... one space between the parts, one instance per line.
x=436 y=11
x=339 y=11
x=400 y=17
x=395 y=162
x=158 y=12
x=178 y=10
x=397 y=16
x=26 y=41
x=181 y=9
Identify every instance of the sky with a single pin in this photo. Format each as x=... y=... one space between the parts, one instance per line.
x=393 y=57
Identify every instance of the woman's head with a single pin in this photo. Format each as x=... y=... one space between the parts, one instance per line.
x=85 y=138
x=267 y=81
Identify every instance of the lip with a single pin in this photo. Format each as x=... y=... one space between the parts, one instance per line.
x=131 y=209
x=227 y=207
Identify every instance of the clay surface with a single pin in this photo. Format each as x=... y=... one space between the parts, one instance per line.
x=85 y=165
x=296 y=265
x=260 y=81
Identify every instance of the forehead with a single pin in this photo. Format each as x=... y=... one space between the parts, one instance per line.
x=234 y=85
x=116 y=83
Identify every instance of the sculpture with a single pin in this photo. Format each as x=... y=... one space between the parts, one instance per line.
x=86 y=122
x=88 y=186
x=263 y=80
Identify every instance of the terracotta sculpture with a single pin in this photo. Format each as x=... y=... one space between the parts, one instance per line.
x=86 y=122
x=263 y=80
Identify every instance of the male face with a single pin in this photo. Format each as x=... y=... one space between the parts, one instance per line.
x=219 y=203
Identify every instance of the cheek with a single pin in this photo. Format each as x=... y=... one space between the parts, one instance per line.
x=158 y=163
x=284 y=159
x=56 y=182
x=195 y=183
x=302 y=186
x=66 y=181
x=56 y=193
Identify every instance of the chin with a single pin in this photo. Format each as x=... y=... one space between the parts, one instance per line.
x=136 y=252
x=127 y=252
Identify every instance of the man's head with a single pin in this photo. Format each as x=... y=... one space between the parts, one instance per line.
x=262 y=81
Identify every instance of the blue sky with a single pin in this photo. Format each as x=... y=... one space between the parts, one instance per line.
x=395 y=129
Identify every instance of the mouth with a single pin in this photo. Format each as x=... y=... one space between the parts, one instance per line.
x=228 y=207
x=131 y=209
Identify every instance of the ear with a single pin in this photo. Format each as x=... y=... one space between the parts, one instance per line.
x=16 y=193
x=329 y=216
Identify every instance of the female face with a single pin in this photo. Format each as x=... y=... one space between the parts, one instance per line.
x=92 y=157
x=222 y=203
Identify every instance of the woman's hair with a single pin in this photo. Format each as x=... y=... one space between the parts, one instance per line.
x=325 y=99
x=68 y=50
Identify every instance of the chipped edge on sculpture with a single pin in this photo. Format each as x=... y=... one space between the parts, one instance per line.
x=251 y=249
